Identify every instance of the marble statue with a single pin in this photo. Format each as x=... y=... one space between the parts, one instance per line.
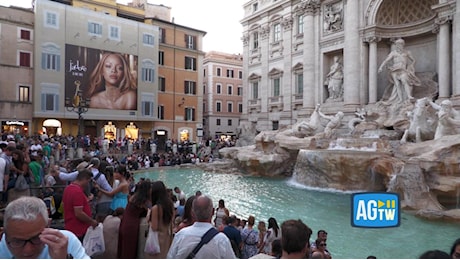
x=448 y=119
x=334 y=123
x=305 y=128
x=332 y=19
x=420 y=126
x=402 y=73
x=246 y=132
x=334 y=81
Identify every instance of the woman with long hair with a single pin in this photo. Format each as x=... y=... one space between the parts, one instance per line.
x=273 y=233
x=221 y=212
x=121 y=191
x=250 y=238
x=112 y=85
x=20 y=167
x=162 y=217
x=137 y=207
x=187 y=219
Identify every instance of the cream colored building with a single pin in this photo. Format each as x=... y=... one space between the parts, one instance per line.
x=16 y=69
x=223 y=93
x=290 y=45
x=74 y=36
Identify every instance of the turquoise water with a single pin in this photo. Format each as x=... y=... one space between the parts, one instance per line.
x=284 y=199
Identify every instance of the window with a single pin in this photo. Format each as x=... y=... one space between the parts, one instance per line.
x=219 y=89
x=299 y=83
x=255 y=90
x=25 y=34
x=240 y=74
x=161 y=58
x=114 y=32
x=147 y=105
x=276 y=87
x=148 y=71
x=275 y=125
x=300 y=24
x=218 y=121
x=50 y=98
x=51 y=20
x=24 y=59
x=51 y=58
x=204 y=89
x=190 y=87
x=240 y=108
x=190 y=63
x=95 y=28
x=240 y=91
x=189 y=114
x=277 y=32
x=147 y=39
x=190 y=42
x=255 y=40
x=255 y=6
x=229 y=122
x=219 y=72
x=24 y=94
x=161 y=112
x=218 y=106
x=161 y=84
x=229 y=90
x=162 y=35
x=229 y=73
x=230 y=107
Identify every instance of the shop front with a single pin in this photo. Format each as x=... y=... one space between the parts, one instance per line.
x=15 y=127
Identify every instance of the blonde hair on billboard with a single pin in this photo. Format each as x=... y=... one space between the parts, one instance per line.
x=97 y=82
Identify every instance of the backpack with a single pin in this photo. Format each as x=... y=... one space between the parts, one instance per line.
x=91 y=188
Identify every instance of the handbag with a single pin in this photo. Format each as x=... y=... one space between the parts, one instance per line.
x=152 y=244
x=21 y=183
x=93 y=242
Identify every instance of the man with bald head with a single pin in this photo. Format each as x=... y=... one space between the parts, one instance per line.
x=188 y=238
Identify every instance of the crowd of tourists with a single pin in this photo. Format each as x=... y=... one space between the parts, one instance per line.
x=100 y=190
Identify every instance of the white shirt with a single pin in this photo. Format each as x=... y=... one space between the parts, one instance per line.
x=188 y=238
x=2 y=172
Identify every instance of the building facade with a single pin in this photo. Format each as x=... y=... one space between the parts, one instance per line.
x=292 y=48
x=16 y=69
x=223 y=94
x=109 y=59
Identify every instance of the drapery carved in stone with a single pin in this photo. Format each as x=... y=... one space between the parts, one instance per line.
x=333 y=17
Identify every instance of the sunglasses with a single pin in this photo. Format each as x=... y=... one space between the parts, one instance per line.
x=322 y=244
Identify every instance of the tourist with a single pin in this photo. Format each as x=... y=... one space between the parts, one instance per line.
x=121 y=192
x=111 y=231
x=320 y=246
x=250 y=238
x=455 y=250
x=180 y=193
x=18 y=168
x=402 y=73
x=232 y=232
x=137 y=207
x=322 y=235
x=273 y=233
x=38 y=174
x=277 y=249
x=221 y=211
x=295 y=239
x=186 y=239
x=187 y=219
x=262 y=231
x=26 y=234
x=434 y=254
x=77 y=211
x=103 y=201
x=161 y=217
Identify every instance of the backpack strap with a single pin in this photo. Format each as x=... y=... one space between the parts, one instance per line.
x=97 y=176
x=212 y=232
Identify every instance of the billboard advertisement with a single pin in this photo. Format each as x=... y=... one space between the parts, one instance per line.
x=107 y=79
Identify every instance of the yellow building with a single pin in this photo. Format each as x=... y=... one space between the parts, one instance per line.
x=109 y=63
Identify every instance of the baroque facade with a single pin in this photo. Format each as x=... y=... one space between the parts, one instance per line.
x=223 y=93
x=291 y=48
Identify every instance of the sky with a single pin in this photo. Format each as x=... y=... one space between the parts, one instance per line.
x=220 y=19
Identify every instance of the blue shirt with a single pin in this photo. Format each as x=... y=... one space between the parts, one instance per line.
x=75 y=248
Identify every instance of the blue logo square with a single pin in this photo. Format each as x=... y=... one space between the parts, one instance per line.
x=375 y=210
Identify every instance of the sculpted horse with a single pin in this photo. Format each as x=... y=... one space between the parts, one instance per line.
x=421 y=126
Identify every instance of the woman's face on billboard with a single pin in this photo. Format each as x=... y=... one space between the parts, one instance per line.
x=112 y=71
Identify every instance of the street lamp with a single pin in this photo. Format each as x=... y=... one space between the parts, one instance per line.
x=78 y=105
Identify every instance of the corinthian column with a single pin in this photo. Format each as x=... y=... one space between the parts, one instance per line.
x=444 y=57
x=373 y=68
x=310 y=7
x=351 y=54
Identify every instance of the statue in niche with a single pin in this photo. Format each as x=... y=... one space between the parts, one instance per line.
x=332 y=18
x=334 y=81
x=448 y=119
x=402 y=73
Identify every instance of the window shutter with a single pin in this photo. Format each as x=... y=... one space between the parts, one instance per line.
x=43 y=105
x=58 y=62
x=193 y=114
x=56 y=103
x=194 y=63
x=44 y=61
x=185 y=87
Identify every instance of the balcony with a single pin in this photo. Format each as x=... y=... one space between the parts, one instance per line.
x=254 y=106
x=275 y=103
x=297 y=101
